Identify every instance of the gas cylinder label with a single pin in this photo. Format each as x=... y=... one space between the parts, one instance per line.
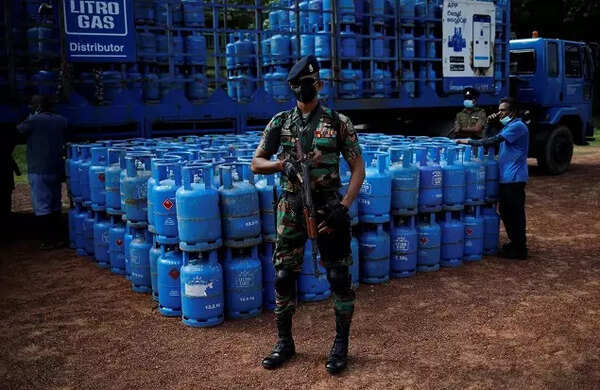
x=365 y=188
x=105 y=236
x=197 y=289
x=436 y=178
x=170 y=222
x=168 y=204
x=247 y=299
x=251 y=223
x=174 y=293
x=401 y=244
x=245 y=279
x=141 y=191
x=134 y=259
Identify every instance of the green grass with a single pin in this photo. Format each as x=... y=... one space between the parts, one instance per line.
x=596 y=142
x=20 y=156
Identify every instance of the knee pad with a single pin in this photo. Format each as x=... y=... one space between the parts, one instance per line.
x=340 y=280
x=285 y=282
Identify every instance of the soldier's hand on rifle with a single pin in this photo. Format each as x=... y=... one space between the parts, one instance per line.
x=337 y=218
x=493 y=116
x=292 y=171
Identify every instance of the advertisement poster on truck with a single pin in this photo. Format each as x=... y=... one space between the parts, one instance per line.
x=99 y=31
x=468 y=34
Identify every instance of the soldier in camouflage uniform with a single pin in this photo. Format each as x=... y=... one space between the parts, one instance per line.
x=323 y=135
x=470 y=122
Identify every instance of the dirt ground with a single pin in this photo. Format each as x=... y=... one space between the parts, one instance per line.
x=498 y=324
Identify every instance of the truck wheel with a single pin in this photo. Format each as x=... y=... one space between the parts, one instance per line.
x=555 y=156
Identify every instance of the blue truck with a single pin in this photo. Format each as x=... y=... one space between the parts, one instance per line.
x=173 y=67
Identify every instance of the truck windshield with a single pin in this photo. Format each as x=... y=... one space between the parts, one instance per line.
x=522 y=62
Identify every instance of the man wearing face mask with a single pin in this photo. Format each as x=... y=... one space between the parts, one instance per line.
x=512 y=161
x=322 y=135
x=470 y=122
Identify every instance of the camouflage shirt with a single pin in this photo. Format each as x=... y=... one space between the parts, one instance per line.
x=469 y=118
x=323 y=136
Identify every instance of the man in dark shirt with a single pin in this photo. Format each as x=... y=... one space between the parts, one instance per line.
x=45 y=132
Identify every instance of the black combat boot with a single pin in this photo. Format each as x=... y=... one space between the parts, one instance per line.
x=338 y=356
x=284 y=348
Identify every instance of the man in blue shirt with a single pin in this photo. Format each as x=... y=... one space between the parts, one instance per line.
x=45 y=132
x=512 y=161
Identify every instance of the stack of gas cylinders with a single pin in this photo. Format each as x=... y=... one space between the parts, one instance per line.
x=186 y=221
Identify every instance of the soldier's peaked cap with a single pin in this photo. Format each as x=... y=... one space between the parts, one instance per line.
x=307 y=65
x=470 y=93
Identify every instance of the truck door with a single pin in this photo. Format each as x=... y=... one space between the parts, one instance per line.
x=553 y=94
x=574 y=83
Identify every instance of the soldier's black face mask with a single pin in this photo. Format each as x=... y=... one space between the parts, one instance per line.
x=305 y=90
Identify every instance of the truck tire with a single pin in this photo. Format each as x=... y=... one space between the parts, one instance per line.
x=555 y=156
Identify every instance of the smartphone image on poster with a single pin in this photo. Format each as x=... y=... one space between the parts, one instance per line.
x=482 y=40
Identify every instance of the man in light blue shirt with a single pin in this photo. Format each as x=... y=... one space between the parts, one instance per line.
x=512 y=161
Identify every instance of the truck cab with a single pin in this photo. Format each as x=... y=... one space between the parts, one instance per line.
x=552 y=80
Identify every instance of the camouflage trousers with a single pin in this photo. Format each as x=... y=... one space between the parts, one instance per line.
x=334 y=248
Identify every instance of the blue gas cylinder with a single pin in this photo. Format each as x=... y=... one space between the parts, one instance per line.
x=280 y=87
x=268 y=273
x=97 y=177
x=134 y=82
x=246 y=86
x=201 y=279
x=403 y=237
x=153 y=256
x=167 y=176
x=78 y=221
x=407 y=9
x=74 y=181
x=161 y=9
x=243 y=51
x=491 y=175
x=374 y=199
x=348 y=39
x=195 y=47
x=377 y=11
x=268 y=192
x=239 y=207
x=128 y=238
x=473 y=233
x=280 y=48
x=193 y=13
x=323 y=45
x=408 y=82
x=88 y=233
x=197 y=89
x=355 y=267
x=378 y=44
x=84 y=173
x=430 y=180
x=454 y=181
x=491 y=229
x=345 y=175
x=116 y=245
x=177 y=13
x=405 y=182
x=144 y=11
x=311 y=287
x=135 y=186
x=347 y=11
x=113 y=84
x=326 y=76
x=374 y=253
x=265 y=48
x=243 y=282
x=101 y=227
x=139 y=263
x=315 y=16
x=307 y=44
x=429 y=242
x=430 y=46
x=46 y=82
x=197 y=204
x=475 y=178
x=274 y=19
x=378 y=83
x=408 y=45
x=268 y=81
x=150 y=87
x=147 y=46
x=453 y=240
x=230 y=51
x=168 y=268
